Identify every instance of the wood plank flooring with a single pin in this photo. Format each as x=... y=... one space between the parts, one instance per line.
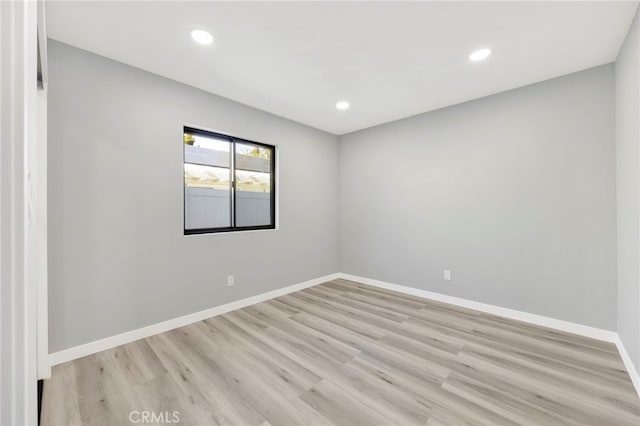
x=344 y=353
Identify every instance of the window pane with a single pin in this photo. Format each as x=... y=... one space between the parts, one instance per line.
x=253 y=184
x=207 y=180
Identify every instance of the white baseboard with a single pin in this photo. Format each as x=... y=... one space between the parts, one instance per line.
x=140 y=333
x=631 y=369
x=570 y=327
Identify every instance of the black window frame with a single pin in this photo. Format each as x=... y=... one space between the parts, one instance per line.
x=232 y=140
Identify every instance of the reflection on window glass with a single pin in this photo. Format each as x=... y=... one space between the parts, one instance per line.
x=207 y=180
x=253 y=185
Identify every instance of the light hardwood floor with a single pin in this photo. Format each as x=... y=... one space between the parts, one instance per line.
x=344 y=353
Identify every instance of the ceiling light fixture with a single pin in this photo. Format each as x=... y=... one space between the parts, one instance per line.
x=201 y=36
x=342 y=105
x=480 y=55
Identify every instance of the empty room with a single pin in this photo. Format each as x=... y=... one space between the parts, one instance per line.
x=319 y=213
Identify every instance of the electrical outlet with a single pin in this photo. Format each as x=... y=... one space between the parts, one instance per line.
x=230 y=281
x=447 y=275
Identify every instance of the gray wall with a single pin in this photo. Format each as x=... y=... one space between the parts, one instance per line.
x=628 y=191
x=117 y=255
x=515 y=193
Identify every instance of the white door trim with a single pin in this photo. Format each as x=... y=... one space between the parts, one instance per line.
x=18 y=109
x=38 y=169
x=39 y=231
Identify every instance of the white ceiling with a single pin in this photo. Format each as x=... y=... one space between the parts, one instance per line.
x=390 y=60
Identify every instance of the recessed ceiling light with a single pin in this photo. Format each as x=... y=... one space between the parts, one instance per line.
x=342 y=105
x=201 y=36
x=479 y=55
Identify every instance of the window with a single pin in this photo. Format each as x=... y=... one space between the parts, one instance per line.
x=229 y=183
